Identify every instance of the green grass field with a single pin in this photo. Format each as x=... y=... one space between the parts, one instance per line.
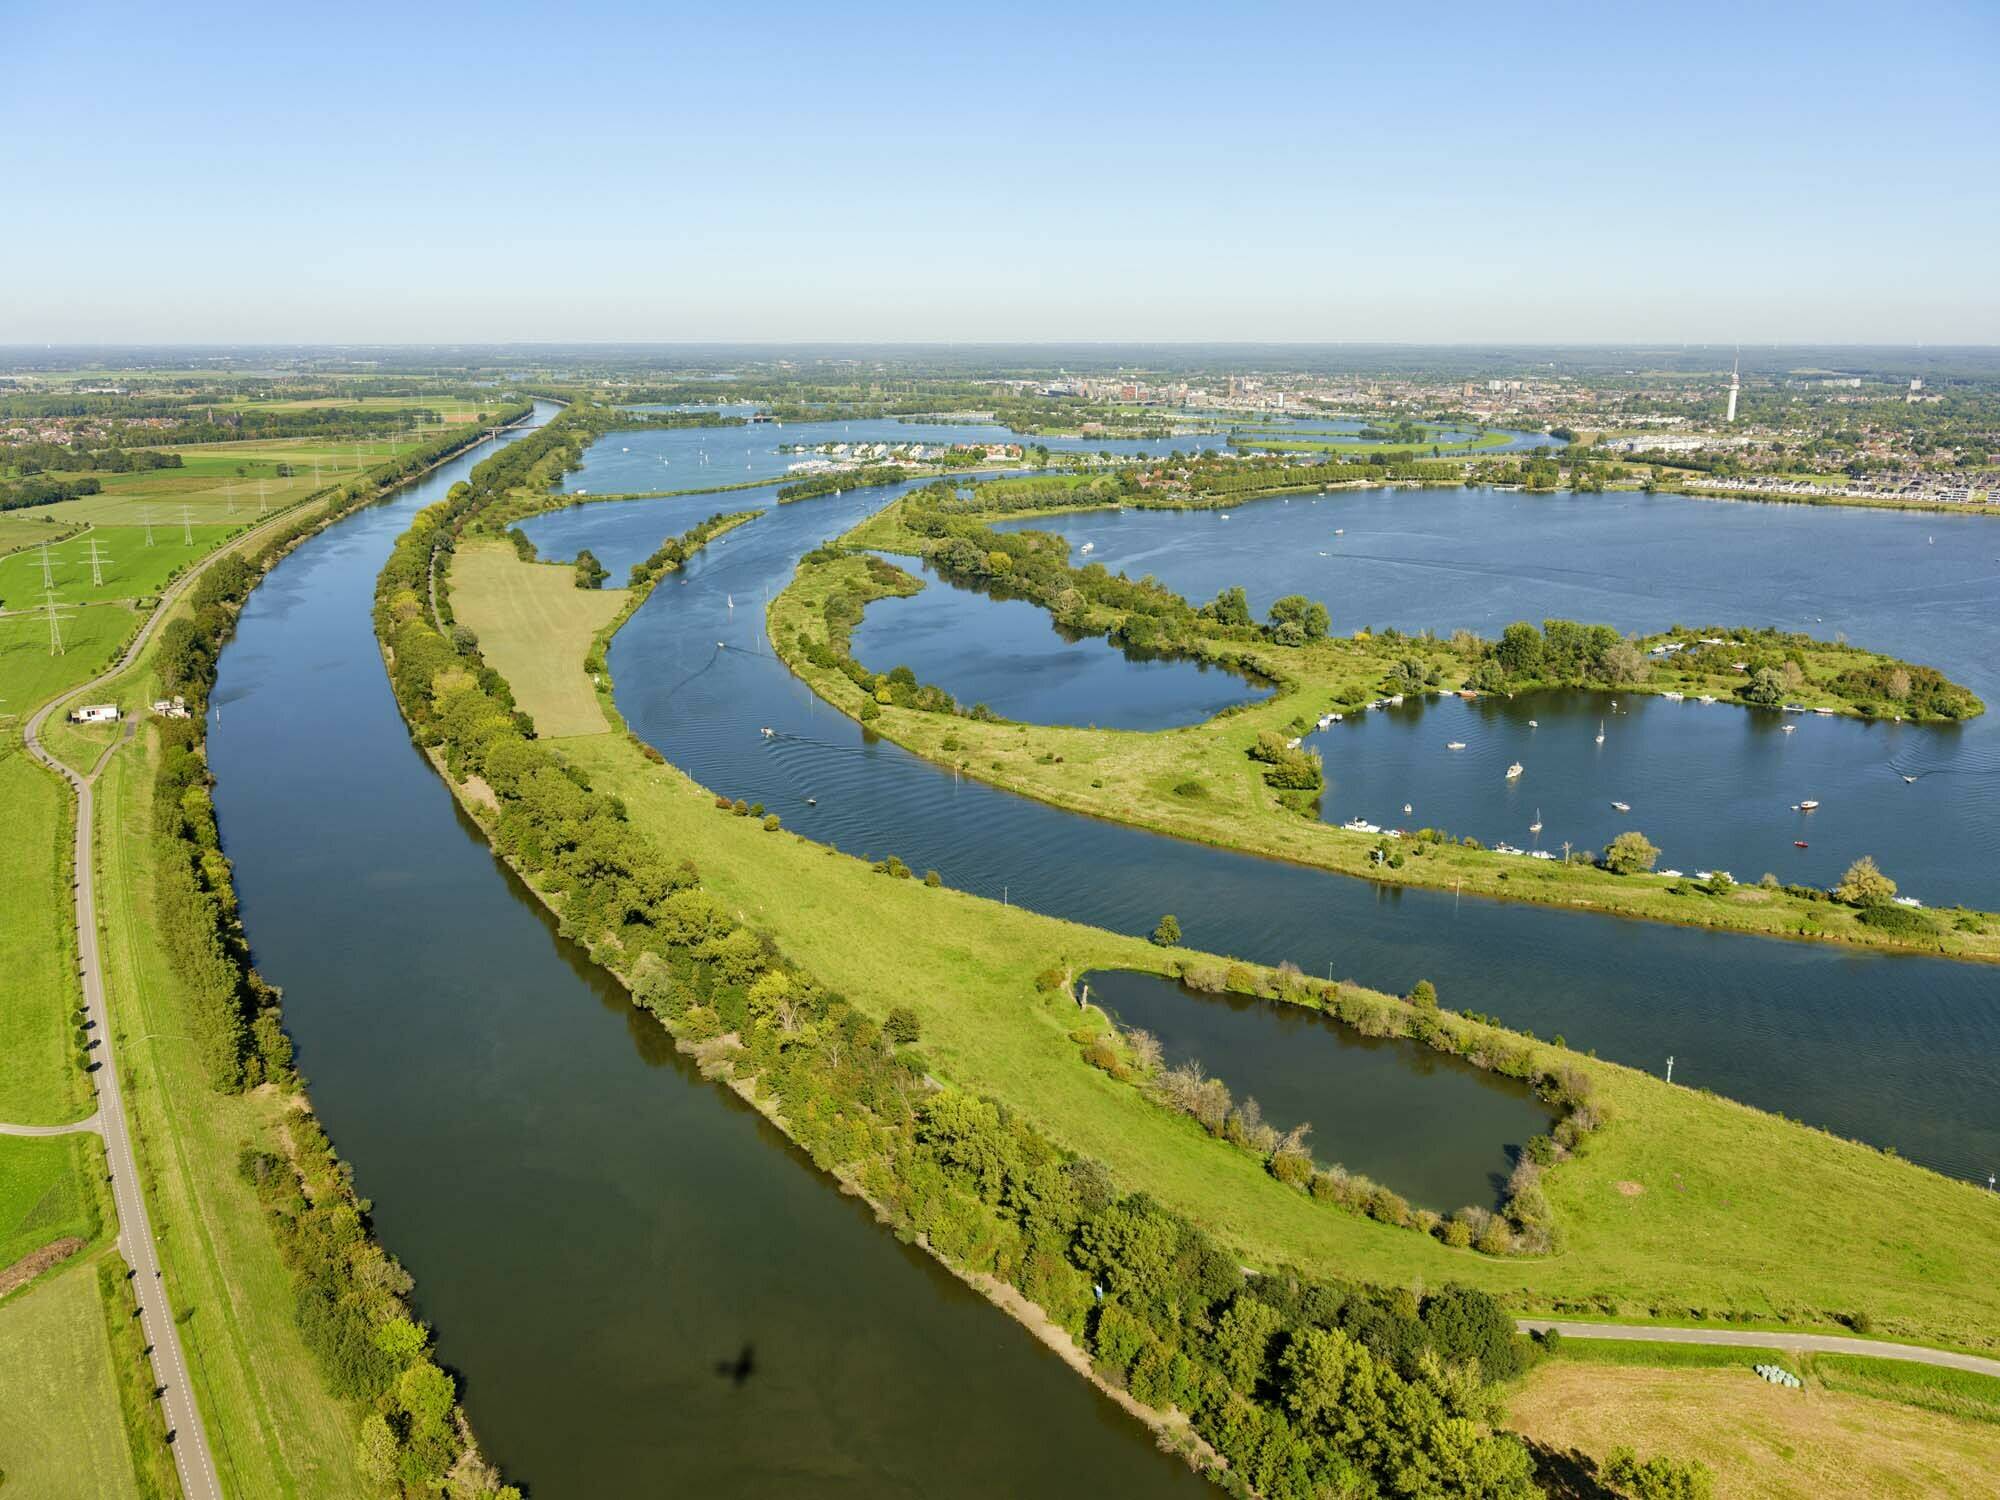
x=225 y=484
x=39 y=1081
x=60 y=1433
x=29 y=675
x=513 y=607
x=25 y=528
x=1663 y=1356
x=45 y=1192
x=1685 y=1203
x=128 y=567
x=1955 y=1393
x=1760 y=1440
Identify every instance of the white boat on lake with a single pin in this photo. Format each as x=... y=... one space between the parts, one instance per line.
x=1514 y=771
x=1456 y=745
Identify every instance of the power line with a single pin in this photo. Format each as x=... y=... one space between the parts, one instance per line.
x=94 y=550
x=57 y=613
x=187 y=527
x=146 y=519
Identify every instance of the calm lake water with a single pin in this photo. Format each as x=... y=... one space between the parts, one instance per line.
x=596 y=1232
x=1897 y=1051
x=1435 y=1128
x=1712 y=785
x=1011 y=655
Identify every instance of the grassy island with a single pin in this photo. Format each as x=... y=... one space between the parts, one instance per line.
x=1241 y=780
x=952 y=1078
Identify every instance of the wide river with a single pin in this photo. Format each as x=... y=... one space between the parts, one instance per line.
x=644 y=1286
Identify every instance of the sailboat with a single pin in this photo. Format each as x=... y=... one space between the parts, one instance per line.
x=1536 y=826
x=1600 y=731
x=732 y=600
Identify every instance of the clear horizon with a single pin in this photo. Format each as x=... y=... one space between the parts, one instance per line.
x=1697 y=176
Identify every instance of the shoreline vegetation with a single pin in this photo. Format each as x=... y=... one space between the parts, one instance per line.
x=301 y=1253
x=985 y=1147
x=1244 y=780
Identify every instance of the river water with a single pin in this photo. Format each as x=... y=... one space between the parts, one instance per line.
x=643 y=1285
x=1893 y=1050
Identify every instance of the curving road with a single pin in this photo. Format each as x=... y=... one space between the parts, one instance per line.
x=1745 y=1338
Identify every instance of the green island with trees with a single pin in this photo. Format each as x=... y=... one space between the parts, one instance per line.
x=1243 y=780
x=1225 y=1286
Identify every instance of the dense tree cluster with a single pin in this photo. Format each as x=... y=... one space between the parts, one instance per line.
x=674 y=551
x=40 y=489
x=840 y=481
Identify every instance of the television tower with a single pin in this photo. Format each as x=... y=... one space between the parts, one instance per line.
x=1735 y=385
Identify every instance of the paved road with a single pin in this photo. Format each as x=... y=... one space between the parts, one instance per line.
x=91 y=1124
x=1791 y=1343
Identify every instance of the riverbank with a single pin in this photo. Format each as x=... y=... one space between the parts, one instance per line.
x=1202 y=783
x=967 y=968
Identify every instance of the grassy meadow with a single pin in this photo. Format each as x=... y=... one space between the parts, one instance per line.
x=1685 y=1206
x=45 y=1192
x=1759 y=1439
x=60 y=1432
x=129 y=568
x=40 y=1083
x=513 y=607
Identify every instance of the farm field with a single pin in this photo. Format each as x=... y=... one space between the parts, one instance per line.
x=45 y=1192
x=60 y=1431
x=39 y=1082
x=1760 y=1439
x=29 y=674
x=130 y=566
x=514 y=608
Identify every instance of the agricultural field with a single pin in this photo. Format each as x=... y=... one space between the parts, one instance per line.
x=39 y=1081
x=514 y=608
x=227 y=484
x=1759 y=1439
x=60 y=1432
x=128 y=565
x=30 y=674
x=45 y=1192
x=25 y=528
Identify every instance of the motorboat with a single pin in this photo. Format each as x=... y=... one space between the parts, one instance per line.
x=1911 y=780
x=1407 y=809
x=1673 y=697
x=1514 y=771
x=1806 y=806
x=1456 y=745
x=1800 y=844
x=1622 y=806
x=1534 y=723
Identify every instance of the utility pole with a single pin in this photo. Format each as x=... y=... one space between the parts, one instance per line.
x=48 y=578
x=94 y=550
x=146 y=519
x=57 y=613
x=1670 y=1067
x=187 y=528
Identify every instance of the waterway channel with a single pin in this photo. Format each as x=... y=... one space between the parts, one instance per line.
x=644 y=1286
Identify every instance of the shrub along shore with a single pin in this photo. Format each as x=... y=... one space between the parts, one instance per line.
x=1241 y=780
x=969 y=1107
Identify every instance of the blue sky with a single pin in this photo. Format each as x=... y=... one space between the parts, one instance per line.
x=903 y=172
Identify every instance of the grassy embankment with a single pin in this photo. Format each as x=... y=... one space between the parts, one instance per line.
x=1199 y=783
x=1685 y=1205
x=1758 y=1439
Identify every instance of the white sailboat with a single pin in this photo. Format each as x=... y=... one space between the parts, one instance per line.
x=1600 y=731
x=1536 y=826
